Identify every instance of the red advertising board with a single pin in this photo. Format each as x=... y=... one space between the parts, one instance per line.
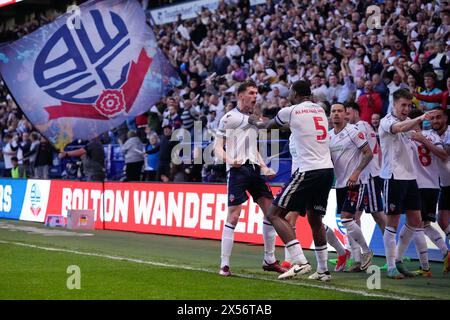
x=191 y=210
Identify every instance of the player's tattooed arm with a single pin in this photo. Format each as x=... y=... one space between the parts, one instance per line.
x=367 y=156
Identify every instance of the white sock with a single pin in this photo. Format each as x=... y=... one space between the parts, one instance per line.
x=355 y=249
x=287 y=255
x=322 y=258
x=334 y=241
x=227 y=244
x=389 y=246
x=436 y=238
x=296 y=252
x=421 y=248
x=354 y=231
x=269 y=234
x=405 y=237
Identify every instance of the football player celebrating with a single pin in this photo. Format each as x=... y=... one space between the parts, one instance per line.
x=400 y=187
x=244 y=166
x=351 y=154
x=308 y=188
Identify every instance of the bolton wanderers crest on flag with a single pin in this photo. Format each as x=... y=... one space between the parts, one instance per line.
x=78 y=80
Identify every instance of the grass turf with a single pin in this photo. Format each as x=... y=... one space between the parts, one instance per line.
x=32 y=273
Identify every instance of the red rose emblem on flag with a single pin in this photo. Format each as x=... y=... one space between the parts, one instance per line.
x=361 y=135
x=110 y=103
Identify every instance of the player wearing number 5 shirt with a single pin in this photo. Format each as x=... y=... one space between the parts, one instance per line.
x=308 y=188
x=401 y=192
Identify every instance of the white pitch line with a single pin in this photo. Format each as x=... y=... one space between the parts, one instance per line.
x=246 y=276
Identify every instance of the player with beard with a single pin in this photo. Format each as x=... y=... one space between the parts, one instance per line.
x=372 y=200
x=351 y=154
x=429 y=151
x=439 y=123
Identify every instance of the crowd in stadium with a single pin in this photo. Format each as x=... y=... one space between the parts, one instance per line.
x=335 y=45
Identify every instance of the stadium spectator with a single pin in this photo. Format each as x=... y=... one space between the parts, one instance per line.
x=133 y=150
x=430 y=89
x=165 y=148
x=189 y=115
x=375 y=121
x=152 y=159
x=369 y=103
x=15 y=170
x=92 y=157
x=24 y=148
x=44 y=159
x=10 y=150
x=442 y=97
x=172 y=118
x=32 y=154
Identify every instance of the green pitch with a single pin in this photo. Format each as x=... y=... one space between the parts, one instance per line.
x=122 y=265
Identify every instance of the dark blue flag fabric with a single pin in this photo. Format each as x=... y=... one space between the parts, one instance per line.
x=86 y=73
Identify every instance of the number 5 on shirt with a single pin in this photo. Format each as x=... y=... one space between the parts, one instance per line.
x=320 y=127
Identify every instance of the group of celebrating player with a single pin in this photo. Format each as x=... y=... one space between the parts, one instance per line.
x=405 y=169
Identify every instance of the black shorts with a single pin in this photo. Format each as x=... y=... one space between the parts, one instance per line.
x=306 y=191
x=444 y=199
x=400 y=195
x=373 y=200
x=429 y=200
x=246 y=178
x=349 y=199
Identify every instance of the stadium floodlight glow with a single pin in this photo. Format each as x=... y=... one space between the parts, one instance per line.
x=8 y=2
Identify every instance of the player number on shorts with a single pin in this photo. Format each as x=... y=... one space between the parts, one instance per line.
x=424 y=155
x=320 y=127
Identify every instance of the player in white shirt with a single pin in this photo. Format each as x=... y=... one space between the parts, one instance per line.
x=244 y=166
x=372 y=201
x=439 y=123
x=428 y=151
x=351 y=154
x=308 y=188
x=401 y=192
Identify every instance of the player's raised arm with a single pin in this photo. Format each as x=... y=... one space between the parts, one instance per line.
x=409 y=124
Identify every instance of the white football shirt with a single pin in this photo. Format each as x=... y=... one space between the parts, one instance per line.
x=396 y=151
x=241 y=137
x=346 y=153
x=444 y=166
x=309 y=127
x=373 y=168
x=294 y=154
x=426 y=162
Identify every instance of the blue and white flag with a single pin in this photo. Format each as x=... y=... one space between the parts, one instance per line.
x=88 y=71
